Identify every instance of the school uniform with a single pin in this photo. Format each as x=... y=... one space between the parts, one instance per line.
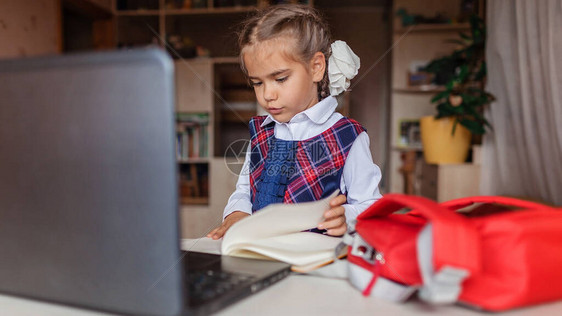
x=306 y=159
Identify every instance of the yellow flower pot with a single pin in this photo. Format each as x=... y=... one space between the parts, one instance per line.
x=439 y=145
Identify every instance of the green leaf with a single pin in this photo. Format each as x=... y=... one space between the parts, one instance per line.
x=473 y=126
x=444 y=110
x=463 y=72
x=472 y=111
x=465 y=36
x=481 y=72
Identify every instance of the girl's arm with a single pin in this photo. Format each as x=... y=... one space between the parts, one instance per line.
x=361 y=177
x=240 y=199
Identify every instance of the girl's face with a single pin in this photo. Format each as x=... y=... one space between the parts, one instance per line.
x=283 y=86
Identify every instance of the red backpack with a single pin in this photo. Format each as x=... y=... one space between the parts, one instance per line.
x=494 y=261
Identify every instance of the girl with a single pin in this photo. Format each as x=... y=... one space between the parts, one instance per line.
x=303 y=150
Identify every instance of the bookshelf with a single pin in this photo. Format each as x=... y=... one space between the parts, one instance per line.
x=184 y=26
x=192 y=154
x=213 y=101
x=235 y=103
x=414 y=45
x=192 y=136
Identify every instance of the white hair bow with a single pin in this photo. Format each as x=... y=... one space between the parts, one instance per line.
x=342 y=67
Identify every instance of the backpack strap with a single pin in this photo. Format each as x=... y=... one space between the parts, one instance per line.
x=455 y=241
x=443 y=286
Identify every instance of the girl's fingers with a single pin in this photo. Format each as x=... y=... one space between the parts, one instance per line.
x=333 y=223
x=338 y=200
x=229 y=221
x=220 y=232
x=334 y=212
x=217 y=235
x=339 y=231
x=217 y=232
x=212 y=232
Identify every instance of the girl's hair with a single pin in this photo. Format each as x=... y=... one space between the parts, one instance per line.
x=300 y=22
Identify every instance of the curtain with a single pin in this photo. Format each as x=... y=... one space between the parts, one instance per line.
x=522 y=156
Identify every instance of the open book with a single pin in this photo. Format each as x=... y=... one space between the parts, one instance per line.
x=276 y=232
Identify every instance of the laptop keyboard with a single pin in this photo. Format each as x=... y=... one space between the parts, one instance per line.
x=205 y=285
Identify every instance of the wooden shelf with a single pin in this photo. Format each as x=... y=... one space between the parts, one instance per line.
x=407 y=148
x=194 y=160
x=89 y=8
x=226 y=60
x=202 y=200
x=419 y=28
x=221 y=10
x=421 y=89
x=138 y=12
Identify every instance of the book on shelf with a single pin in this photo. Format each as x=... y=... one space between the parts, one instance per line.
x=278 y=232
x=201 y=118
x=194 y=183
x=192 y=135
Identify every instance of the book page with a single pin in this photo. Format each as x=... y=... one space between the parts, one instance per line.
x=296 y=249
x=277 y=219
x=203 y=244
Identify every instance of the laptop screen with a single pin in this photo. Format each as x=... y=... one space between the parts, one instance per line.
x=88 y=187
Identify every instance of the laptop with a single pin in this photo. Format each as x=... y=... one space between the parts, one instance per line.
x=88 y=191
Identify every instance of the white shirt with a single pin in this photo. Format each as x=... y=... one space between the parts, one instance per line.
x=360 y=177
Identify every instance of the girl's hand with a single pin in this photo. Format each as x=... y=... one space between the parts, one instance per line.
x=228 y=221
x=334 y=218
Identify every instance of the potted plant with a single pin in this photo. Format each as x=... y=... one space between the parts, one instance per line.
x=460 y=105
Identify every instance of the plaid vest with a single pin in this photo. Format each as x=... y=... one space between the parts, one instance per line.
x=318 y=160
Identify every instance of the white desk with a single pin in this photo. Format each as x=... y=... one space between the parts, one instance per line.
x=295 y=295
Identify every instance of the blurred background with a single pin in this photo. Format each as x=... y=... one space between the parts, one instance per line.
x=418 y=59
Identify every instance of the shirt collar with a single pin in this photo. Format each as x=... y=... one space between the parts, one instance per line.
x=318 y=113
